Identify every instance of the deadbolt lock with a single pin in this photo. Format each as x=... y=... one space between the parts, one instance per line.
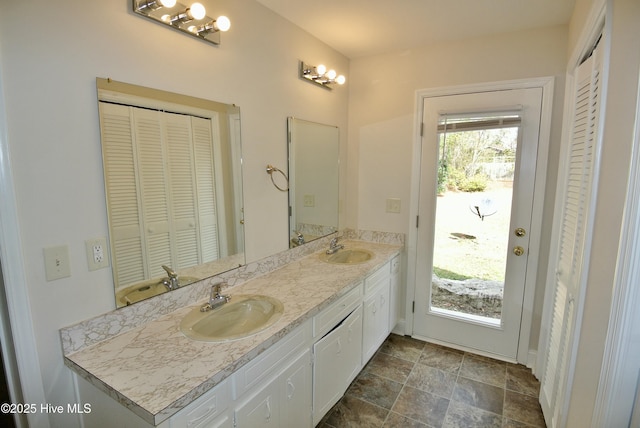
x=518 y=251
x=520 y=232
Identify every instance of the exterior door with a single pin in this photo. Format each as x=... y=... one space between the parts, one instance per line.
x=478 y=166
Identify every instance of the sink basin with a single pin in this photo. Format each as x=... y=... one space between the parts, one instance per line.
x=243 y=316
x=147 y=289
x=350 y=256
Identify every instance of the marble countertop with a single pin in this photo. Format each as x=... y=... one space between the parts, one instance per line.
x=155 y=370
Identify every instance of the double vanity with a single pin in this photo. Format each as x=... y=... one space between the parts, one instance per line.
x=280 y=353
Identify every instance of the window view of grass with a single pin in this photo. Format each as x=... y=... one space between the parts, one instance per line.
x=475 y=186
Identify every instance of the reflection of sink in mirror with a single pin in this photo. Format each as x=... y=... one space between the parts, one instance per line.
x=147 y=289
x=243 y=316
x=352 y=256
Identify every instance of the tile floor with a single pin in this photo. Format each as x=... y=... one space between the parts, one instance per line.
x=409 y=383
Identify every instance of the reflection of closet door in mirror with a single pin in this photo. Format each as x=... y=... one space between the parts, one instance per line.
x=172 y=169
x=314 y=151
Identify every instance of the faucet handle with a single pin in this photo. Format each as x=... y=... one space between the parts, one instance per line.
x=170 y=272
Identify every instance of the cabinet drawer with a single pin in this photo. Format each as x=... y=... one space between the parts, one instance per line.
x=205 y=409
x=376 y=279
x=327 y=319
x=263 y=365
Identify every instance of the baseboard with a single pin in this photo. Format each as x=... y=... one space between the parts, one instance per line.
x=399 y=328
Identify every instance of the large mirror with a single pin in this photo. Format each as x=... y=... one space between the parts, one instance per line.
x=173 y=181
x=314 y=169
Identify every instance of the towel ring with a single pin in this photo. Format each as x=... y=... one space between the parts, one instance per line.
x=270 y=170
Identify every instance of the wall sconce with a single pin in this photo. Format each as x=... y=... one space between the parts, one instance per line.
x=191 y=19
x=319 y=75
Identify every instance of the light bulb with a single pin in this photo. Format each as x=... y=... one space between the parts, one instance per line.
x=321 y=69
x=223 y=23
x=197 y=11
x=168 y=3
x=331 y=74
x=340 y=80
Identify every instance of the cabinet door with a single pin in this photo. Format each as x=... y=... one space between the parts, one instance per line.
x=295 y=393
x=260 y=409
x=375 y=322
x=394 y=293
x=337 y=361
x=352 y=346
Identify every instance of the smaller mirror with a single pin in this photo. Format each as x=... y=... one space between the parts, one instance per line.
x=314 y=169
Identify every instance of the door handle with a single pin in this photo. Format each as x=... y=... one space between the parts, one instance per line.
x=520 y=232
x=518 y=251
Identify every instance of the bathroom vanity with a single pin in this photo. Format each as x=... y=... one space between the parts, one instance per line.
x=335 y=317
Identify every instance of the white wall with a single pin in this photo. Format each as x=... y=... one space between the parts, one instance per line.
x=618 y=133
x=382 y=109
x=50 y=57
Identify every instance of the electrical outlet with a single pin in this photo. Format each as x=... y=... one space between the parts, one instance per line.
x=97 y=254
x=393 y=206
x=56 y=262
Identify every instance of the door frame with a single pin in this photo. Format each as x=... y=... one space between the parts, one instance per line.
x=28 y=380
x=524 y=354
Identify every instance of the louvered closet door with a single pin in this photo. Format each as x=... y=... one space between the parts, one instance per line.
x=122 y=196
x=206 y=189
x=577 y=189
x=154 y=190
x=183 y=209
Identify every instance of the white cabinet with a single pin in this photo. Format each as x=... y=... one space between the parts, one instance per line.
x=336 y=363
x=394 y=293
x=375 y=327
x=282 y=401
x=295 y=393
x=210 y=410
x=260 y=409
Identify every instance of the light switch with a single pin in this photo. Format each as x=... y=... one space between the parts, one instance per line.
x=56 y=262
x=393 y=205
x=309 y=200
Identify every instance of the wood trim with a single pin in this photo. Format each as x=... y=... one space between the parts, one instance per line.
x=15 y=284
x=547 y=84
x=620 y=367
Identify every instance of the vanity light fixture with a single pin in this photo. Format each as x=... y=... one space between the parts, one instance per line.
x=320 y=75
x=190 y=19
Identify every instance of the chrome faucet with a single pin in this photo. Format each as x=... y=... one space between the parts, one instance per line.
x=333 y=246
x=215 y=298
x=172 y=281
x=299 y=238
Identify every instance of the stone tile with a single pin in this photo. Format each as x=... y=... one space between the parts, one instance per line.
x=463 y=416
x=484 y=370
x=395 y=420
x=421 y=406
x=510 y=423
x=520 y=379
x=375 y=389
x=432 y=380
x=484 y=396
x=351 y=412
x=436 y=357
x=389 y=367
x=523 y=408
x=403 y=347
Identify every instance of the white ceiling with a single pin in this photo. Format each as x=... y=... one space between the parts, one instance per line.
x=359 y=28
